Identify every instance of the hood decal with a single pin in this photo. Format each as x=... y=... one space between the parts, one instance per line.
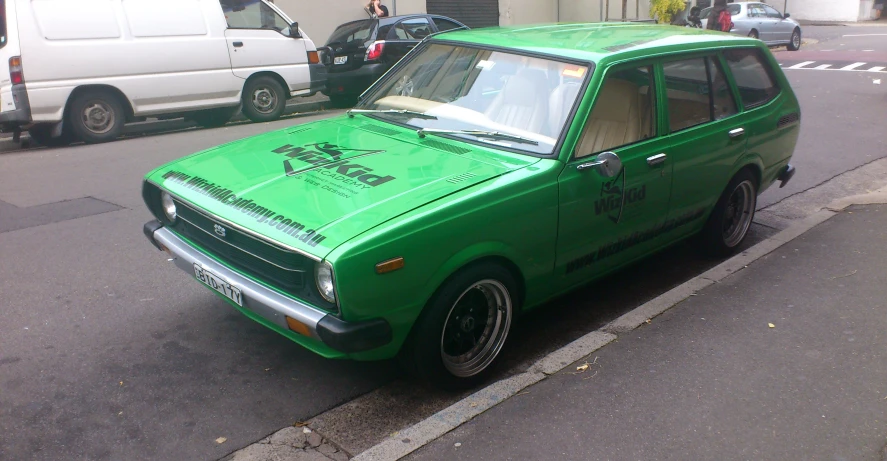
x=329 y=156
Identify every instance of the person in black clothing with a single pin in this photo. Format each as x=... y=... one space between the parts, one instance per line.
x=714 y=16
x=377 y=10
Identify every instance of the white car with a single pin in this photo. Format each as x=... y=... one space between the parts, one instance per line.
x=762 y=21
x=80 y=70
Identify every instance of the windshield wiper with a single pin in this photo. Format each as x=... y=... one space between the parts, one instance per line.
x=480 y=134
x=351 y=113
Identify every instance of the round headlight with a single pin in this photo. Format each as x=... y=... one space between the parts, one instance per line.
x=169 y=207
x=325 y=285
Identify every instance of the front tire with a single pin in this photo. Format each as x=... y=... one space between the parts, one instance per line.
x=732 y=216
x=264 y=99
x=463 y=328
x=795 y=43
x=96 y=116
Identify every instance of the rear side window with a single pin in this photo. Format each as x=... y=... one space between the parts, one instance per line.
x=697 y=92
x=444 y=24
x=753 y=76
x=413 y=29
x=353 y=34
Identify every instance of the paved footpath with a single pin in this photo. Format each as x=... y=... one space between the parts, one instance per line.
x=784 y=360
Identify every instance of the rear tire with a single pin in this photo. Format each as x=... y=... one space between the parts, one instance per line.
x=463 y=328
x=732 y=216
x=213 y=118
x=42 y=135
x=795 y=43
x=264 y=99
x=753 y=34
x=96 y=116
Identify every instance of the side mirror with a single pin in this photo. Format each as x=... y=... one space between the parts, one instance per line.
x=607 y=164
x=294 y=30
x=786 y=16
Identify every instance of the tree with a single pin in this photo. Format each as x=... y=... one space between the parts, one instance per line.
x=664 y=10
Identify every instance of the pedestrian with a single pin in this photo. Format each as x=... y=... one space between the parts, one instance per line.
x=720 y=18
x=376 y=9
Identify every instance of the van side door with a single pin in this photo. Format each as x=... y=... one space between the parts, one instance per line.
x=259 y=39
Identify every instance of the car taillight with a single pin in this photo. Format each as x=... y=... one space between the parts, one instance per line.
x=16 y=74
x=375 y=51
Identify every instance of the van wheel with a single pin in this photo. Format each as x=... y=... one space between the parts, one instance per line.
x=96 y=116
x=213 y=118
x=795 y=42
x=264 y=99
x=463 y=328
x=731 y=218
x=42 y=135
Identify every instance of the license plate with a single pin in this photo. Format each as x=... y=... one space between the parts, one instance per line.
x=340 y=59
x=219 y=284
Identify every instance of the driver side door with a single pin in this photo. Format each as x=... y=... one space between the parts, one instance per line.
x=608 y=221
x=259 y=38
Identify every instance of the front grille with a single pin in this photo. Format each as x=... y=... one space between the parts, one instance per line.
x=282 y=268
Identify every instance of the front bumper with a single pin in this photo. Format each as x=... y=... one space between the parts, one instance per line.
x=273 y=307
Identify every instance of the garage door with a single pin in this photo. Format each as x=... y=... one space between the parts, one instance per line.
x=472 y=13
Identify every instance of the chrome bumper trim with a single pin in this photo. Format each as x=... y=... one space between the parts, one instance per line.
x=268 y=304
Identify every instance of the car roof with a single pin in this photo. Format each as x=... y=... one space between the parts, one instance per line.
x=596 y=41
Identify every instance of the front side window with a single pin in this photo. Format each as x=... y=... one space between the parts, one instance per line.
x=253 y=14
x=412 y=29
x=752 y=75
x=623 y=112
x=771 y=13
x=526 y=100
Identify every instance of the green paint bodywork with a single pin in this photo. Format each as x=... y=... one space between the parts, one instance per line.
x=386 y=193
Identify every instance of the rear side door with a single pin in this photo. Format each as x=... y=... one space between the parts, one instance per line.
x=607 y=221
x=405 y=35
x=259 y=39
x=705 y=136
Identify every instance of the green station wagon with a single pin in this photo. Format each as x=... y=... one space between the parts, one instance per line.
x=487 y=172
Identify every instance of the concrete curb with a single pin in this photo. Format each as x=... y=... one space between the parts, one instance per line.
x=424 y=432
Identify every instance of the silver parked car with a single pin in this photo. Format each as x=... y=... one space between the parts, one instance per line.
x=762 y=21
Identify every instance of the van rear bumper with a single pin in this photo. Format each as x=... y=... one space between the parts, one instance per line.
x=22 y=113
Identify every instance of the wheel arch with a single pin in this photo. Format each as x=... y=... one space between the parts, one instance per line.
x=127 y=104
x=267 y=73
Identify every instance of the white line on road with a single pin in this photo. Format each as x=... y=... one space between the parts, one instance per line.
x=864 y=35
x=852 y=66
x=823 y=66
x=801 y=64
x=876 y=69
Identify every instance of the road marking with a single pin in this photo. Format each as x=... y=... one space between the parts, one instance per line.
x=802 y=64
x=823 y=66
x=876 y=69
x=852 y=66
x=867 y=50
x=864 y=35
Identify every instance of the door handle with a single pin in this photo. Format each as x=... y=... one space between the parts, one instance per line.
x=237 y=44
x=735 y=133
x=656 y=159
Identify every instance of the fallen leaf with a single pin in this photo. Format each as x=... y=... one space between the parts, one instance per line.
x=299 y=424
x=118 y=414
x=771 y=325
x=582 y=367
x=121 y=383
x=472 y=405
x=648 y=321
x=221 y=440
x=522 y=393
x=267 y=369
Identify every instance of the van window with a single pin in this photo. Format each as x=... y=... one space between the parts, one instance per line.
x=752 y=75
x=67 y=20
x=2 y=23
x=252 y=14
x=152 y=18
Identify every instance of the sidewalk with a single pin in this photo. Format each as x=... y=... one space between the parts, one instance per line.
x=710 y=380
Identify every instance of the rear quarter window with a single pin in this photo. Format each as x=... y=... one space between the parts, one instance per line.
x=353 y=34
x=753 y=76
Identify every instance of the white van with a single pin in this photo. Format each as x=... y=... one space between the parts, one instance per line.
x=80 y=69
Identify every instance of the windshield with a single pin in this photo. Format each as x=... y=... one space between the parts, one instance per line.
x=481 y=90
x=353 y=34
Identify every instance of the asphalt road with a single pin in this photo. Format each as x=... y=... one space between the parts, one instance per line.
x=107 y=352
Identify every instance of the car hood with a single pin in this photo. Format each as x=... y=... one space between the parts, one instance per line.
x=314 y=186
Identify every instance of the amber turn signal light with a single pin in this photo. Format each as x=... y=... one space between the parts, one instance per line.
x=298 y=327
x=313 y=58
x=391 y=265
